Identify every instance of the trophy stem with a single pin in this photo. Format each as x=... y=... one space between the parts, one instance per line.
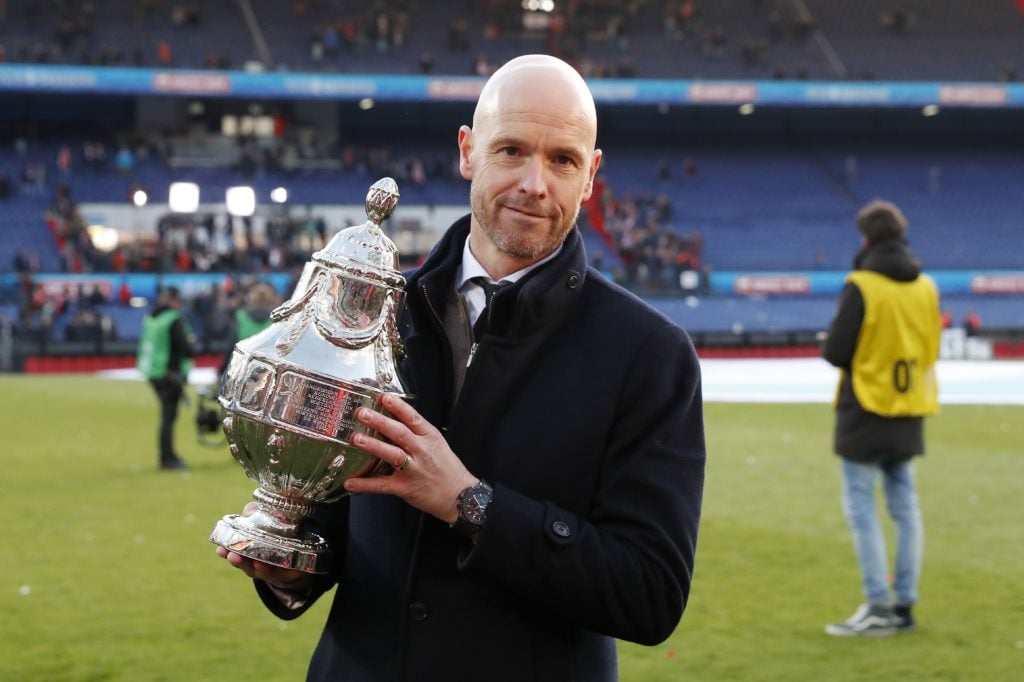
x=272 y=534
x=279 y=514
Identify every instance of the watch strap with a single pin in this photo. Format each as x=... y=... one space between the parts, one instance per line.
x=469 y=524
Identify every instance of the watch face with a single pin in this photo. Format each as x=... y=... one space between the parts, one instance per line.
x=475 y=506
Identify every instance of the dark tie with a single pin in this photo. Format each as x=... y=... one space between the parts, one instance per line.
x=489 y=287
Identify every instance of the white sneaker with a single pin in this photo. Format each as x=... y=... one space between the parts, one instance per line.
x=870 y=620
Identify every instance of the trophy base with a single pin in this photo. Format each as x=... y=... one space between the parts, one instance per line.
x=308 y=554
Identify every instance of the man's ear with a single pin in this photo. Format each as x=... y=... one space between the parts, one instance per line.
x=595 y=163
x=466 y=152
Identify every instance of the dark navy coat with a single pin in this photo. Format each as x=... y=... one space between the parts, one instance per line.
x=583 y=408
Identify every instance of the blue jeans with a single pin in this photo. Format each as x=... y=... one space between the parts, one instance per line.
x=868 y=540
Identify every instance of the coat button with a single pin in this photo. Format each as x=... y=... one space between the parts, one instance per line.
x=418 y=611
x=561 y=529
x=574 y=281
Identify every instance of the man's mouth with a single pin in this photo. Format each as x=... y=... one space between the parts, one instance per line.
x=527 y=211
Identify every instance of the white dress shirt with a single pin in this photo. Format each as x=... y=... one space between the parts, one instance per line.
x=473 y=292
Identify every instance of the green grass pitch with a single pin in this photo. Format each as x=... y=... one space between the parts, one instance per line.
x=108 y=574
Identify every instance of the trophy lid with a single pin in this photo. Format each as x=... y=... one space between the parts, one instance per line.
x=365 y=248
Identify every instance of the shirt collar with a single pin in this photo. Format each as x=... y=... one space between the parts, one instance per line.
x=471 y=268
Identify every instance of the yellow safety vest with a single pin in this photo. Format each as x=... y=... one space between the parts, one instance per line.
x=893 y=369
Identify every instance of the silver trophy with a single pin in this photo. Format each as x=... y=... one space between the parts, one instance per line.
x=290 y=391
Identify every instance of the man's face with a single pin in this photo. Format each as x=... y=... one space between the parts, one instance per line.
x=531 y=162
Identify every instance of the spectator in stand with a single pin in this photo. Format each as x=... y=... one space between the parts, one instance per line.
x=482 y=66
x=25 y=262
x=426 y=62
x=163 y=53
x=689 y=168
x=458 y=35
x=124 y=160
x=972 y=323
x=946 y=319
x=94 y=154
x=316 y=48
x=83 y=326
x=124 y=293
x=64 y=160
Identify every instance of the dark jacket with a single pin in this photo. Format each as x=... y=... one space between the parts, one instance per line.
x=583 y=408
x=859 y=435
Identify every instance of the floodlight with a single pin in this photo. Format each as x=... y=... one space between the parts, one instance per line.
x=183 y=197
x=241 y=201
x=279 y=195
x=104 y=239
x=140 y=198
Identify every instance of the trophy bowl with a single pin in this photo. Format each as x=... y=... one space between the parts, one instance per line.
x=291 y=391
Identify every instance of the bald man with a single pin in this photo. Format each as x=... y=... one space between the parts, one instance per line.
x=548 y=481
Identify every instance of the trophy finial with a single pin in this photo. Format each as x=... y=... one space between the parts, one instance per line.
x=381 y=200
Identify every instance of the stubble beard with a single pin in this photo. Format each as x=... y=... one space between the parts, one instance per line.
x=512 y=242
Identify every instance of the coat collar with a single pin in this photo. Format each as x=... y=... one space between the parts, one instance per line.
x=892 y=258
x=538 y=300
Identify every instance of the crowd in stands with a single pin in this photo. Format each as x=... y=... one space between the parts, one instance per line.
x=649 y=253
x=203 y=242
x=654 y=254
x=603 y=38
x=86 y=315
x=78 y=312
x=51 y=313
x=638 y=227
x=200 y=242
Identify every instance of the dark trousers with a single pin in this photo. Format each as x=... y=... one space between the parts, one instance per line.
x=169 y=392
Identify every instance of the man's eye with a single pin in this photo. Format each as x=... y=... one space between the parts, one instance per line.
x=564 y=160
x=510 y=151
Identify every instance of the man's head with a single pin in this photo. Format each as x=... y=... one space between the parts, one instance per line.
x=531 y=160
x=261 y=295
x=170 y=297
x=881 y=221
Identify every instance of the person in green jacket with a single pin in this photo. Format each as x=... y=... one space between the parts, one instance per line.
x=164 y=357
x=252 y=317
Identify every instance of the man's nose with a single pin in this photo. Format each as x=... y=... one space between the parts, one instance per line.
x=533 y=180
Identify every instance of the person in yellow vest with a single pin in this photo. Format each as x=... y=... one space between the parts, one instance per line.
x=164 y=356
x=885 y=340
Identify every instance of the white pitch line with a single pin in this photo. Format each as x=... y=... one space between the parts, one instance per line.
x=802 y=380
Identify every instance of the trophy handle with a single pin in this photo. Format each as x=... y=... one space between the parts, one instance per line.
x=290 y=307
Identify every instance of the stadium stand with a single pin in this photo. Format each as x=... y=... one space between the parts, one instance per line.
x=762 y=205
x=872 y=39
x=710 y=191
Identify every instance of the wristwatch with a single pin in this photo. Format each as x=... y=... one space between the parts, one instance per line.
x=472 y=505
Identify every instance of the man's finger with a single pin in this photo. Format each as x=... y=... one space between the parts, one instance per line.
x=406 y=414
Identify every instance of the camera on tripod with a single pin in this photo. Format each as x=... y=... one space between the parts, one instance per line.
x=209 y=417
